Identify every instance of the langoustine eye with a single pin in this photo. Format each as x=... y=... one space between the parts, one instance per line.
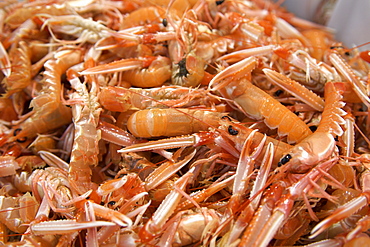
x=285 y=160
x=232 y=131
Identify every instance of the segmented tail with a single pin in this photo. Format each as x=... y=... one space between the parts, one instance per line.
x=332 y=114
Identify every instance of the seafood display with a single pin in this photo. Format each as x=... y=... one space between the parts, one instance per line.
x=180 y=123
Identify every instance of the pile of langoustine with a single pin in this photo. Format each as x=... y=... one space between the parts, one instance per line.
x=173 y=123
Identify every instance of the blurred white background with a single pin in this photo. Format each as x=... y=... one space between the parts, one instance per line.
x=349 y=18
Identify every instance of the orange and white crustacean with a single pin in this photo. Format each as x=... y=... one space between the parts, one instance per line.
x=179 y=123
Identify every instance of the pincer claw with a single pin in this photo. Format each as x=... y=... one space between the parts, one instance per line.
x=296 y=89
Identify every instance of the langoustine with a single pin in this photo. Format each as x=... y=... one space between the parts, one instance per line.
x=222 y=174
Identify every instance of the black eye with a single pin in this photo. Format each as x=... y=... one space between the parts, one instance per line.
x=232 y=131
x=111 y=203
x=278 y=92
x=284 y=160
x=219 y=2
x=164 y=22
x=313 y=128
